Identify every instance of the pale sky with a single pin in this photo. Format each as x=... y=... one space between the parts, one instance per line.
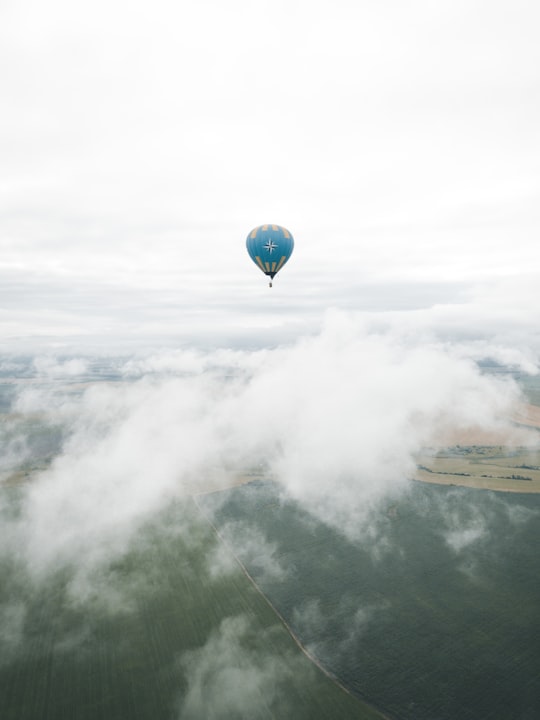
x=140 y=142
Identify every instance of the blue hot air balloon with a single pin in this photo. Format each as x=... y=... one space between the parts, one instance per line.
x=270 y=246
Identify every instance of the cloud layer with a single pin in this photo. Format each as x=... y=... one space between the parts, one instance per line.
x=335 y=419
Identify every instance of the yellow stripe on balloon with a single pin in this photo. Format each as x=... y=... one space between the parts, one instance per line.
x=283 y=258
x=260 y=263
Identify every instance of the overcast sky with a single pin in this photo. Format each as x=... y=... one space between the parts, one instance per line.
x=140 y=143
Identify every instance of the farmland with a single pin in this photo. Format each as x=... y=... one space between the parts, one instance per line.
x=430 y=611
x=155 y=634
x=436 y=615
x=493 y=467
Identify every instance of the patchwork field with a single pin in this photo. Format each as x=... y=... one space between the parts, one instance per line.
x=489 y=467
x=491 y=460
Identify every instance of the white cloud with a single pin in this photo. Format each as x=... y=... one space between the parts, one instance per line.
x=468 y=526
x=52 y=368
x=336 y=419
x=253 y=550
x=230 y=676
x=460 y=538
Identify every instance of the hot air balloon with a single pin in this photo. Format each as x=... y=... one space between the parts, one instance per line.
x=270 y=246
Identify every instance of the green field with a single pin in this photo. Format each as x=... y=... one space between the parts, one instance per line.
x=434 y=615
x=156 y=635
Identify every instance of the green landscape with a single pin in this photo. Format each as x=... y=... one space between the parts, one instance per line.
x=435 y=615
x=158 y=636
x=240 y=603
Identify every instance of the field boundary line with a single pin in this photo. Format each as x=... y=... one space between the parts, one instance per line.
x=280 y=617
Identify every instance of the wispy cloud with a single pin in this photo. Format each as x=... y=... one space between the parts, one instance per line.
x=253 y=550
x=234 y=673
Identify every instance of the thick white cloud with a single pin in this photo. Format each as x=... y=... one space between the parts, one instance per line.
x=335 y=419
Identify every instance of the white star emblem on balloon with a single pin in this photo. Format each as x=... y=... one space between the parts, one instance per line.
x=270 y=246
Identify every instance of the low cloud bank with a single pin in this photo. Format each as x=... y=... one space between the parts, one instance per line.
x=335 y=419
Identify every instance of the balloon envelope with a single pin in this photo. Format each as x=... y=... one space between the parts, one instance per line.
x=270 y=246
